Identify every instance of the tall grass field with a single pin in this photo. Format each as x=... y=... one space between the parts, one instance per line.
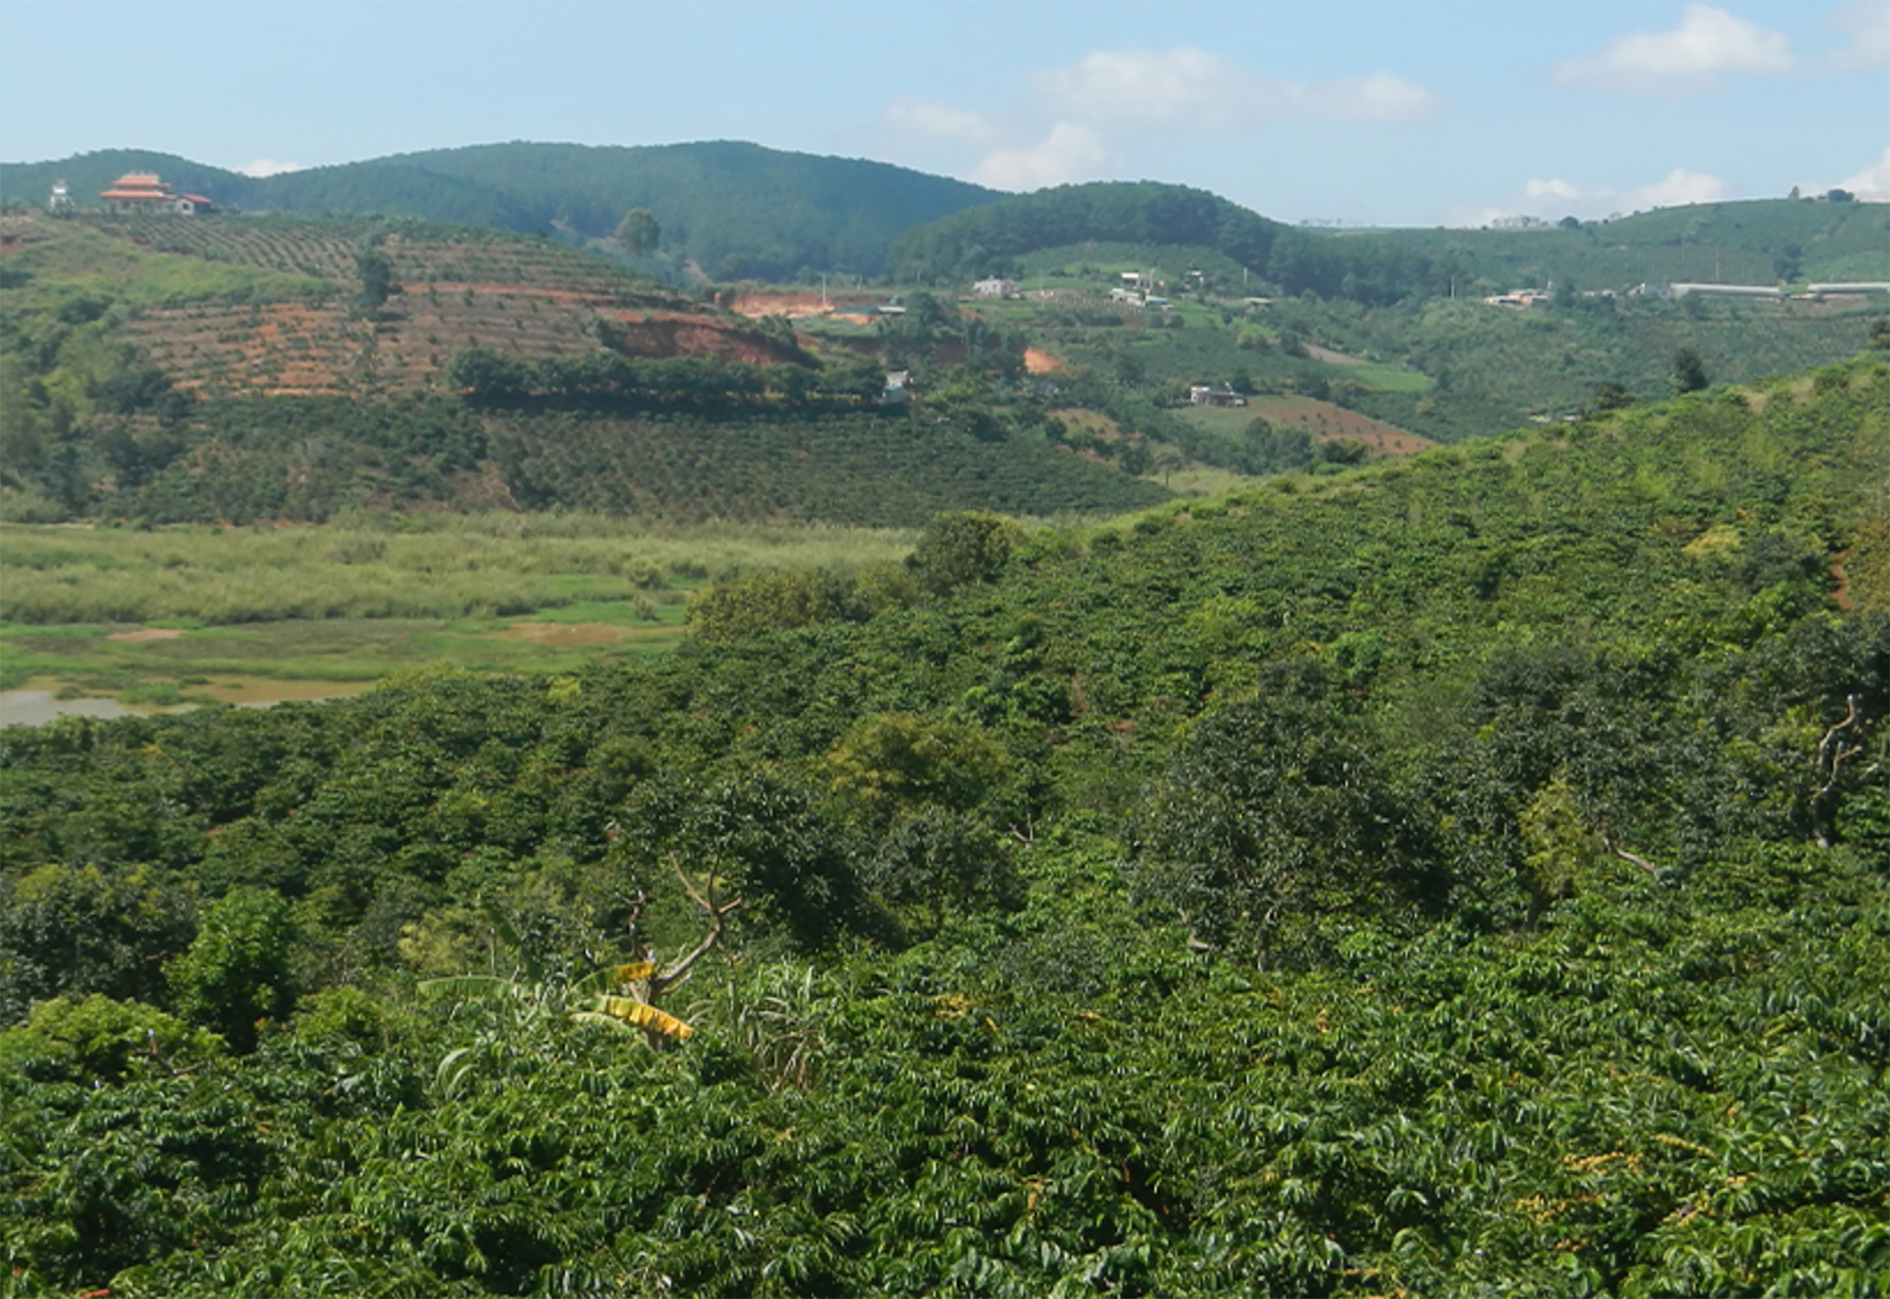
x=373 y=594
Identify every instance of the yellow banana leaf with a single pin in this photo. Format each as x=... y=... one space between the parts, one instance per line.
x=643 y=1015
x=614 y=976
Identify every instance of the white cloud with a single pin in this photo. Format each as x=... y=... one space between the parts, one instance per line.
x=1380 y=97
x=1550 y=189
x=1872 y=184
x=1179 y=89
x=1691 y=58
x=1868 y=26
x=1068 y=153
x=1680 y=188
x=936 y=118
x=268 y=167
x=1555 y=198
x=1194 y=88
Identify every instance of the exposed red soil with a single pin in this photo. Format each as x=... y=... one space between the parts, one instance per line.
x=664 y=334
x=1040 y=362
x=796 y=302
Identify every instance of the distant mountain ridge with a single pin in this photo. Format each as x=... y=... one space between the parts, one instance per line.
x=734 y=209
x=738 y=210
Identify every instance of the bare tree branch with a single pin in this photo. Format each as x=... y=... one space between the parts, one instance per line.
x=718 y=912
x=1632 y=858
x=1833 y=753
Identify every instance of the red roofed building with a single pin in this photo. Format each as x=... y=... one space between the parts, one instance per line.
x=140 y=191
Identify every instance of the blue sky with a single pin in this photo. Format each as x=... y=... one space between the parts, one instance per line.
x=1407 y=113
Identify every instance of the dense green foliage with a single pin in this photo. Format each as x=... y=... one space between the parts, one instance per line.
x=876 y=468
x=1464 y=874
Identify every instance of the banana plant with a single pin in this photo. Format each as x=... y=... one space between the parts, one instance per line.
x=597 y=997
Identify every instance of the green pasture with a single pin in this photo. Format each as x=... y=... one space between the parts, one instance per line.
x=358 y=601
x=1228 y=420
x=1388 y=378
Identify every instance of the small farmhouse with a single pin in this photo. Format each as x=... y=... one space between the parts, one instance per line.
x=1214 y=394
x=142 y=192
x=995 y=288
x=1519 y=298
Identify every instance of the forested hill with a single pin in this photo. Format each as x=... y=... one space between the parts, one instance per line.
x=770 y=211
x=985 y=241
x=1462 y=875
x=988 y=240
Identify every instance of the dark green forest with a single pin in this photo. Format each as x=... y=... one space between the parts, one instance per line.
x=1458 y=875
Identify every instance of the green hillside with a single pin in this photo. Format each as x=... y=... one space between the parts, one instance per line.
x=1462 y=875
x=1440 y=368
x=732 y=208
x=235 y=369
x=1763 y=241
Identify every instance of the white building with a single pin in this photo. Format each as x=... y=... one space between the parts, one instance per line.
x=1728 y=290
x=142 y=192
